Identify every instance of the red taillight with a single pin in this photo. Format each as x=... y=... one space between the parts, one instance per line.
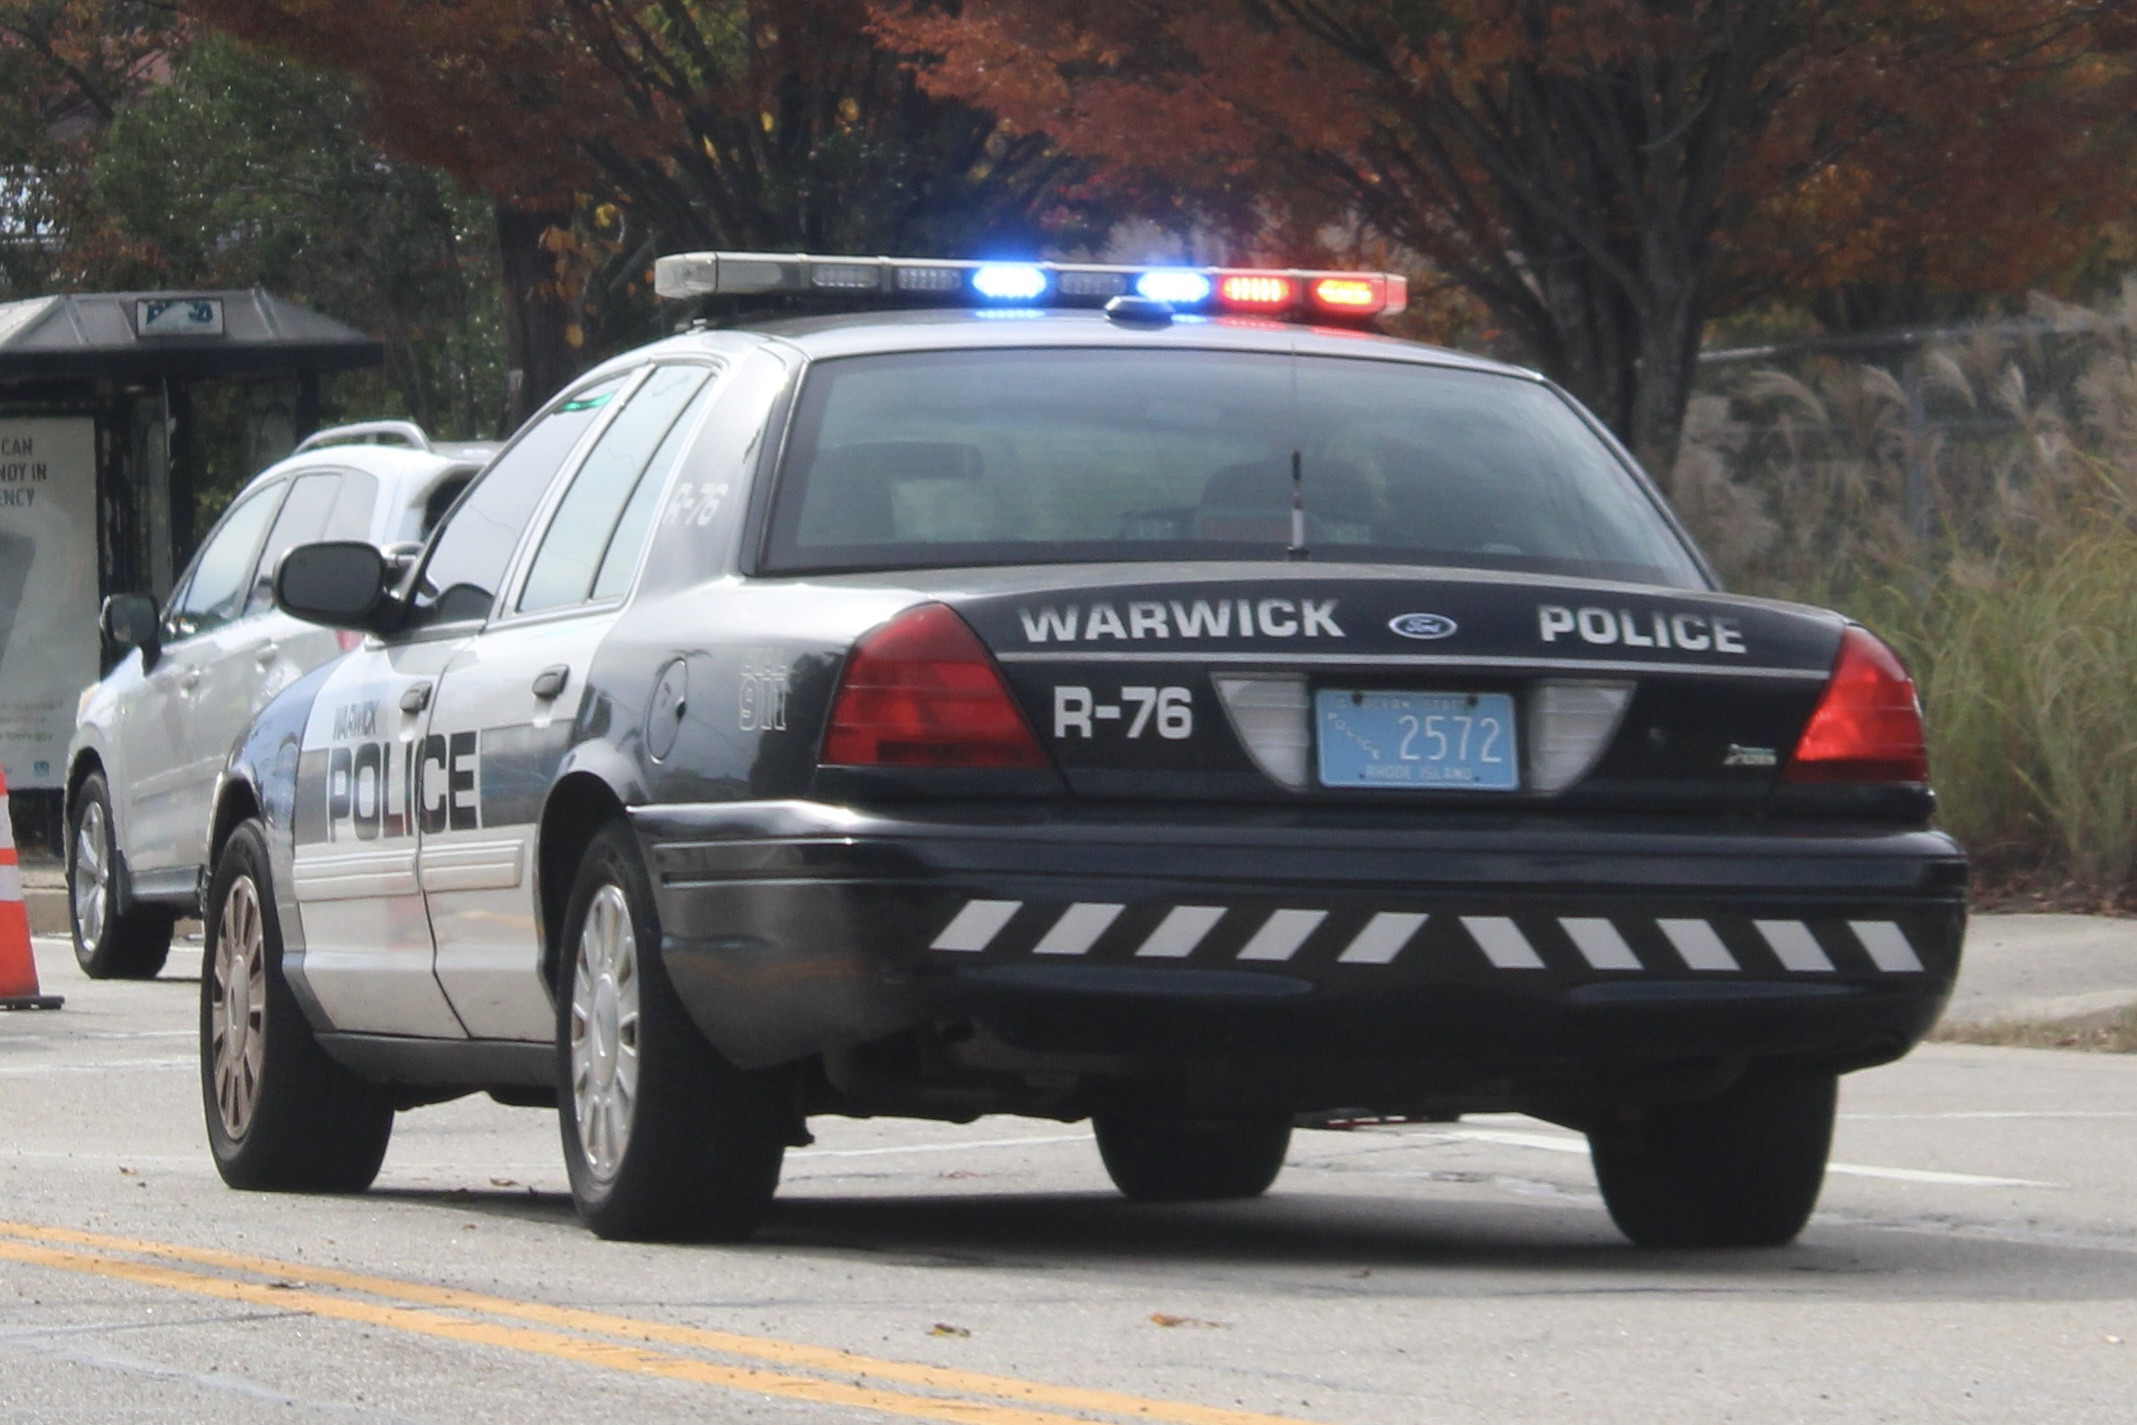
x=1868 y=726
x=921 y=691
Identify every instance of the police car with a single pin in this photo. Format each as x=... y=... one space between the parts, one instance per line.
x=1078 y=691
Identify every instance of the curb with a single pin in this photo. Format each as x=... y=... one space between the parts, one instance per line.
x=44 y=896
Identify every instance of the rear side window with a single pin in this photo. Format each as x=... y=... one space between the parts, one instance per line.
x=938 y=459
x=303 y=520
x=472 y=551
x=352 y=512
x=586 y=520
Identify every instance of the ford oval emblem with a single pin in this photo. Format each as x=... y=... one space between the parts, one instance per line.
x=1423 y=625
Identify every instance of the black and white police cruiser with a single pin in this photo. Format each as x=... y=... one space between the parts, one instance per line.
x=1075 y=691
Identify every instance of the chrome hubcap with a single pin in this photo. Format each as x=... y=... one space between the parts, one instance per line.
x=237 y=1007
x=604 y=1032
x=92 y=875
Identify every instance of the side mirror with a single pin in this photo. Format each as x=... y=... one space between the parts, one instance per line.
x=132 y=621
x=340 y=583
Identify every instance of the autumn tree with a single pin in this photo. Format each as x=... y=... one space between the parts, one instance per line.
x=66 y=68
x=1603 y=175
x=243 y=170
x=739 y=123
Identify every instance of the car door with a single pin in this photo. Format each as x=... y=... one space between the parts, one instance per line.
x=518 y=696
x=376 y=774
x=174 y=744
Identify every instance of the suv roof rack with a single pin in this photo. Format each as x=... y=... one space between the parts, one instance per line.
x=406 y=433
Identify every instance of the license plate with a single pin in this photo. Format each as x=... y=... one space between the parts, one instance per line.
x=1376 y=738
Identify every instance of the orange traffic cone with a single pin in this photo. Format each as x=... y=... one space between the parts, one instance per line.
x=18 y=966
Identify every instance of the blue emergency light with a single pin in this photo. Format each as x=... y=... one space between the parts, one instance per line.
x=1016 y=282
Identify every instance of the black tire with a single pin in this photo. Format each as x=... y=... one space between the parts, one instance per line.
x=108 y=945
x=1161 y=1157
x=1742 y=1170
x=691 y=1149
x=311 y=1125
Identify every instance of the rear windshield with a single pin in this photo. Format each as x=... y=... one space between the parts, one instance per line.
x=941 y=459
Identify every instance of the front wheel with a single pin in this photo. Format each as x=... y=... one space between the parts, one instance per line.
x=282 y=1116
x=109 y=944
x=664 y=1140
x=1175 y=1158
x=1742 y=1170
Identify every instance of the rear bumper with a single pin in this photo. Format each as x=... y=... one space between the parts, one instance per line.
x=1412 y=951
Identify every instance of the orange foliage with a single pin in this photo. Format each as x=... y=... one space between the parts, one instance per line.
x=499 y=93
x=1974 y=143
x=1602 y=175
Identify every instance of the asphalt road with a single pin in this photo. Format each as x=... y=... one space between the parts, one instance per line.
x=1974 y=1259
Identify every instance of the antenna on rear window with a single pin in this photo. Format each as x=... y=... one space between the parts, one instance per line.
x=1298 y=508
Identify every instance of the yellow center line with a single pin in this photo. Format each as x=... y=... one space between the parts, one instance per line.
x=543 y=1343
x=770 y=1349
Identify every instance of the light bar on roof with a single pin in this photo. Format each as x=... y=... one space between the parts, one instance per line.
x=1296 y=294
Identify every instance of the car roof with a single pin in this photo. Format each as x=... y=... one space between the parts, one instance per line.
x=942 y=329
x=404 y=476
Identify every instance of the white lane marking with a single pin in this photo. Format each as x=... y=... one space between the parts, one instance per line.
x=1078 y=929
x=1282 y=933
x=1502 y=942
x=135 y=1034
x=1383 y=938
x=1553 y=1143
x=803 y=1155
x=36 y=1070
x=1993 y=1113
x=1600 y=943
x=975 y=927
x=1795 y=946
x=1544 y=1141
x=133 y=1160
x=1698 y=945
x=1926 y=1175
x=1181 y=931
x=1888 y=946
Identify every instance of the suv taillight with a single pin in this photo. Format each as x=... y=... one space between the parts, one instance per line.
x=1868 y=726
x=921 y=691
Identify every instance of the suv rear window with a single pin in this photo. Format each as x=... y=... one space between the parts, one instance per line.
x=940 y=459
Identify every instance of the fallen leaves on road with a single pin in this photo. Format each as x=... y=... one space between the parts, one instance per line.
x=944 y=1328
x=1159 y=1318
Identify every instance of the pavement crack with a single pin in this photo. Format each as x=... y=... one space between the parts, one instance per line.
x=204 y=1380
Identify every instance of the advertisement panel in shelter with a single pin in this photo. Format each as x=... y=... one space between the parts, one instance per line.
x=48 y=591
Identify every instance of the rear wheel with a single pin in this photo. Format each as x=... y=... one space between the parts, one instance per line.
x=282 y=1116
x=108 y=944
x=1169 y=1157
x=1742 y=1170
x=664 y=1140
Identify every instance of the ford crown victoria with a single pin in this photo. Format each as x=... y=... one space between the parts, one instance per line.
x=1129 y=694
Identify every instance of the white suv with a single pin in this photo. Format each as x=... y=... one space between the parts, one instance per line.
x=150 y=740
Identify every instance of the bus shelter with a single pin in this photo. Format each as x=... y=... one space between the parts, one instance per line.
x=100 y=463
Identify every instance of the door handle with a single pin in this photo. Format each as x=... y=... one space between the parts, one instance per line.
x=550 y=681
x=189 y=681
x=268 y=655
x=415 y=698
